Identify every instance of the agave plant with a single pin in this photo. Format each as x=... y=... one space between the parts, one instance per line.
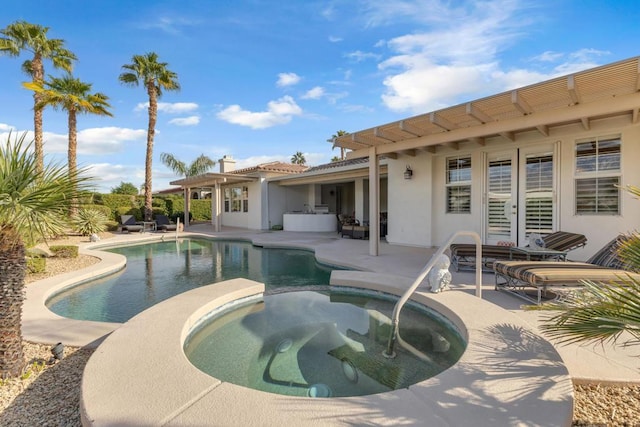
x=89 y=221
x=602 y=312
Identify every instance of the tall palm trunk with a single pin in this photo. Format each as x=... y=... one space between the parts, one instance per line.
x=153 y=116
x=38 y=147
x=72 y=154
x=13 y=267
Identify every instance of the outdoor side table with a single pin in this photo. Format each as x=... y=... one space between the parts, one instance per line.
x=539 y=253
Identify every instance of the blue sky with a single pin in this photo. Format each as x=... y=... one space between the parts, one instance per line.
x=261 y=80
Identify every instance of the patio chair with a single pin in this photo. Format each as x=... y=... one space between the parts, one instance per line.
x=463 y=255
x=129 y=224
x=164 y=224
x=604 y=266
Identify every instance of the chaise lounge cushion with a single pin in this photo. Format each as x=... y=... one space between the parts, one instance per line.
x=129 y=223
x=464 y=254
x=604 y=266
x=164 y=224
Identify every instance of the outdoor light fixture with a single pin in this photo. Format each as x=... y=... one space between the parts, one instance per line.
x=57 y=351
x=408 y=173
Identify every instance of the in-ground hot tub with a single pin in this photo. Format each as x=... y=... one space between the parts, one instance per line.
x=323 y=343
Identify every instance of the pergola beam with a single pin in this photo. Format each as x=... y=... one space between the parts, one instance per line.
x=585 y=123
x=543 y=129
x=634 y=115
x=573 y=90
x=509 y=135
x=409 y=128
x=478 y=140
x=520 y=104
x=477 y=113
x=379 y=133
x=441 y=122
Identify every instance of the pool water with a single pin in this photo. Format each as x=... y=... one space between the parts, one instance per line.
x=158 y=271
x=323 y=344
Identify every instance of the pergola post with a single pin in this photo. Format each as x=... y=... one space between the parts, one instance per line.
x=374 y=203
x=187 y=206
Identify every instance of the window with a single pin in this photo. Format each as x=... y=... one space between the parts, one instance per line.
x=458 y=184
x=236 y=199
x=598 y=176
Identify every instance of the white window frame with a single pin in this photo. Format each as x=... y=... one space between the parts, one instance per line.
x=595 y=174
x=457 y=183
x=236 y=199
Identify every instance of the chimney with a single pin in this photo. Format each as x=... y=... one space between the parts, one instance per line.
x=227 y=164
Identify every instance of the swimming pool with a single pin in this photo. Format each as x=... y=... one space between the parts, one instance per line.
x=160 y=270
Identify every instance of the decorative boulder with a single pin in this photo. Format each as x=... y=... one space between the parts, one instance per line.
x=94 y=238
x=439 y=277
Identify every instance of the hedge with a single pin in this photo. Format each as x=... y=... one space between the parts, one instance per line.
x=201 y=210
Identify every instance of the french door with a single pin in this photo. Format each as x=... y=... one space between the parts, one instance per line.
x=520 y=194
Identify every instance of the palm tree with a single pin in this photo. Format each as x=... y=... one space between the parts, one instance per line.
x=156 y=77
x=298 y=159
x=33 y=207
x=74 y=96
x=22 y=36
x=604 y=311
x=199 y=166
x=333 y=138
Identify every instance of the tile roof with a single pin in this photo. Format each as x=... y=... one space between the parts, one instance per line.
x=279 y=167
x=339 y=163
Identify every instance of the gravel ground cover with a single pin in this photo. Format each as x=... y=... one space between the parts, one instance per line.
x=49 y=395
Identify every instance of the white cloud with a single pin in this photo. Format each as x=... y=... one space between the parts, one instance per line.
x=457 y=58
x=169 y=108
x=287 y=79
x=95 y=141
x=335 y=39
x=312 y=159
x=278 y=112
x=360 y=56
x=185 y=121
x=548 y=56
x=5 y=127
x=314 y=93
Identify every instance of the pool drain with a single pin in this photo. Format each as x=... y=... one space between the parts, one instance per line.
x=319 y=390
x=284 y=345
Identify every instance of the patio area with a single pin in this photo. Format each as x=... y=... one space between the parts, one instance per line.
x=396 y=266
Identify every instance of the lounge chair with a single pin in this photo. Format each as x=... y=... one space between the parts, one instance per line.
x=463 y=255
x=129 y=224
x=604 y=266
x=163 y=223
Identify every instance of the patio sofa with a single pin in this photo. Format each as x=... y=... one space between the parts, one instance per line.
x=542 y=276
x=463 y=255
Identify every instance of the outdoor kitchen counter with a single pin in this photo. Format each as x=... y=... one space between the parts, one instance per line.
x=320 y=222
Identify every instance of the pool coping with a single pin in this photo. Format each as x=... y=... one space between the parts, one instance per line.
x=508 y=375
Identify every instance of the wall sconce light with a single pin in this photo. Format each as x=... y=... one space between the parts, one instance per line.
x=408 y=173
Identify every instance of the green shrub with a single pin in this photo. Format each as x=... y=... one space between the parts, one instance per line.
x=180 y=215
x=89 y=221
x=128 y=210
x=64 y=251
x=106 y=210
x=111 y=225
x=201 y=209
x=36 y=264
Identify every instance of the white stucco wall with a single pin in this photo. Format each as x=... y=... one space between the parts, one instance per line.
x=409 y=201
x=599 y=229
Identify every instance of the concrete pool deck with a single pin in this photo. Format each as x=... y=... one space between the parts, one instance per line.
x=396 y=266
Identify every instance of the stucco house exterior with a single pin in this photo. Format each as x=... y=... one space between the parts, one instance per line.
x=545 y=157
x=540 y=158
